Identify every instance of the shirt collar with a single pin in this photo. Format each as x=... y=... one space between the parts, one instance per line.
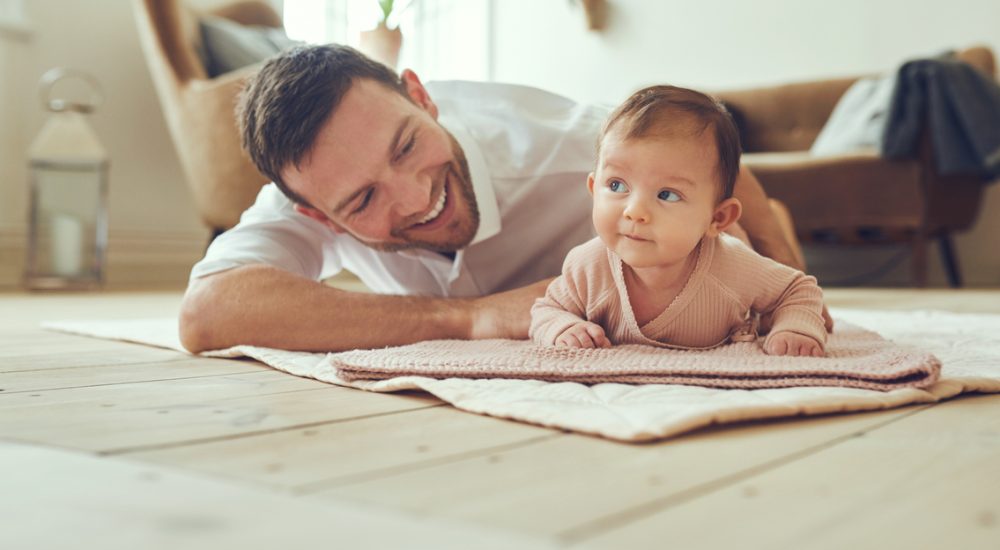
x=482 y=182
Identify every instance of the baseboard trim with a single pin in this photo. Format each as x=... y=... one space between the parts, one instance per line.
x=136 y=259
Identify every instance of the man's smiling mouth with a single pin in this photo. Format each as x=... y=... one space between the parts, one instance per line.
x=438 y=208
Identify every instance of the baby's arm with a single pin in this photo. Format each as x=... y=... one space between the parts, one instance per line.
x=798 y=327
x=792 y=343
x=560 y=317
x=792 y=300
x=584 y=335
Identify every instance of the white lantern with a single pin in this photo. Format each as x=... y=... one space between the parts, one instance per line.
x=67 y=234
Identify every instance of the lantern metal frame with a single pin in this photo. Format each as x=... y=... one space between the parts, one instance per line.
x=93 y=273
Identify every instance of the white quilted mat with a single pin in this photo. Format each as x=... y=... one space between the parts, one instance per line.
x=968 y=346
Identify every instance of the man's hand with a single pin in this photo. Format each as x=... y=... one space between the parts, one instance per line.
x=505 y=315
x=584 y=335
x=791 y=343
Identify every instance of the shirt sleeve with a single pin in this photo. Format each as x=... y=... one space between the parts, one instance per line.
x=565 y=301
x=271 y=233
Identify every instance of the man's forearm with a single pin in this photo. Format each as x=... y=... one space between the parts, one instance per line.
x=265 y=306
x=760 y=223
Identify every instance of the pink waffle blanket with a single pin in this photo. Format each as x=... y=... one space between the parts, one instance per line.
x=856 y=358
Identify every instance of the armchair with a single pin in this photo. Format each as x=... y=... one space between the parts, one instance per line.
x=199 y=109
x=857 y=198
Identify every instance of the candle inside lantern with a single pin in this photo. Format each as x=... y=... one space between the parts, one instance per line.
x=67 y=245
x=67 y=232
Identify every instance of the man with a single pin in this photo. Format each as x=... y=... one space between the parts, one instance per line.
x=457 y=211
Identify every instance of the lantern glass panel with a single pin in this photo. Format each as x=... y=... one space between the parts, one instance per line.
x=67 y=220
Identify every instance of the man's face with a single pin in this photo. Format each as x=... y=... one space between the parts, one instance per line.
x=655 y=198
x=384 y=171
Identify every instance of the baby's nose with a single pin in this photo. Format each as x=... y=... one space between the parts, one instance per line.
x=636 y=212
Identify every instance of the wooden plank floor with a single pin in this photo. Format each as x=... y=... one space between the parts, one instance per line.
x=113 y=445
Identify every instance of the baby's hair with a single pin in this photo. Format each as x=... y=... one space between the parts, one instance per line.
x=667 y=111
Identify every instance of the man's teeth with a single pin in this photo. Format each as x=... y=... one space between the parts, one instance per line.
x=437 y=208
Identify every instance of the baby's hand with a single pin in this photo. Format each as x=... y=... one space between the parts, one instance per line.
x=792 y=343
x=584 y=335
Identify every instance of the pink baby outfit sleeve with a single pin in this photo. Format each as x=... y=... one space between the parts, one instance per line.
x=792 y=299
x=580 y=293
x=728 y=281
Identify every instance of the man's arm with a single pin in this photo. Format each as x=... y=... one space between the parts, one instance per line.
x=763 y=229
x=265 y=306
x=760 y=223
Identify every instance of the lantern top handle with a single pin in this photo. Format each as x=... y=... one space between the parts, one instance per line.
x=51 y=77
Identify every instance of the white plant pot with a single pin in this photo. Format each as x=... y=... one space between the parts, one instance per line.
x=382 y=44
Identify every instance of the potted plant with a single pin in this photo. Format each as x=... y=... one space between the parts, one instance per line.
x=384 y=41
x=596 y=12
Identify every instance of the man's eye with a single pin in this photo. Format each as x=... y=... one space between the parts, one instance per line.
x=365 y=201
x=617 y=186
x=408 y=147
x=668 y=195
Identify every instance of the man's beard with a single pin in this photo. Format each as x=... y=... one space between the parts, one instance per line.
x=458 y=170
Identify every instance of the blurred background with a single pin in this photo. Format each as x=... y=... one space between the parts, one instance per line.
x=155 y=233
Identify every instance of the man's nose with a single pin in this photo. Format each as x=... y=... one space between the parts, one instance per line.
x=411 y=192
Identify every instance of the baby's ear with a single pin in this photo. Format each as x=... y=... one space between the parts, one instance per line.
x=726 y=214
x=590 y=183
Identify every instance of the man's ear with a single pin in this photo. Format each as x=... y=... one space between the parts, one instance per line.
x=311 y=212
x=590 y=183
x=726 y=213
x=418 y=93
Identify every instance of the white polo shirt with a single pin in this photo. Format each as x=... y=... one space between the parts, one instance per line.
x=529 y=153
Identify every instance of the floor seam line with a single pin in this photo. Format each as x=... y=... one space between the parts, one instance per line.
x=187 y=443
x=581 y=533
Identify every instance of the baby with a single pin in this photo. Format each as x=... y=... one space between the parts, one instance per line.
x=661 y=271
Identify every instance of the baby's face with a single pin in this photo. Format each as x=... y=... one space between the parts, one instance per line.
x=654 y=197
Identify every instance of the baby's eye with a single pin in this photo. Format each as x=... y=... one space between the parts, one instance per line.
x=617 y=186
x=668 y=195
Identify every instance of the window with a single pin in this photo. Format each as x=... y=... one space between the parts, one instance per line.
x=12 y=19
x=316 y=21
x=442 y=39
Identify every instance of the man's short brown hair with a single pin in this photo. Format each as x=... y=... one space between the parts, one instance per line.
x=665 y=110
x=283 y=107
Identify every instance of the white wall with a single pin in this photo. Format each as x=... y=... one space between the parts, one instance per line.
x=12 y=188
x=154 y=233
x=734 y=44
x=724 y=44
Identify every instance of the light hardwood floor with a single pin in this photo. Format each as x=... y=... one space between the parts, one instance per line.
x=113 y=445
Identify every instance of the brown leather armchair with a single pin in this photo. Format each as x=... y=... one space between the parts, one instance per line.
x=856 y=198
x=199 y=109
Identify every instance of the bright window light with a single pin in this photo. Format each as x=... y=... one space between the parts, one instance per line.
x=323 y=21
x=306 y=20
x=441 y=38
